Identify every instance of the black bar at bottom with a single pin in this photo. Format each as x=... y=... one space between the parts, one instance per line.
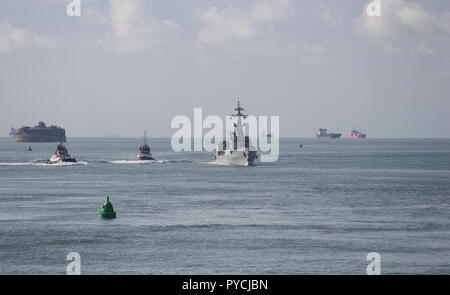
x=221 y=284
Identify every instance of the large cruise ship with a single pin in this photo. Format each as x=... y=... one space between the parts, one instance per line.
x=41 y=133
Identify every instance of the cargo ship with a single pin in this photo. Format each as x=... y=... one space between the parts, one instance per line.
x=41 y=133
x=356 y=134
x=323 y=134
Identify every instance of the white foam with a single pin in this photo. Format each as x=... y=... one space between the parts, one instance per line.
x=43 y=164
x=16 y=164
x=65 y=164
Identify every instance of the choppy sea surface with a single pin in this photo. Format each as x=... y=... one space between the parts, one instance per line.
x=319 y=209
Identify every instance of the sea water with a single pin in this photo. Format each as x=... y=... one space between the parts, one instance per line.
x=319 y=209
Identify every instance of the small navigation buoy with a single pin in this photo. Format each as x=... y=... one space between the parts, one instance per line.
x=107 y=211
x=301 y=145
x=29 y=149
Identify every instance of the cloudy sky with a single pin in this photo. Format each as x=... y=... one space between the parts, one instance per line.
x=123 y=66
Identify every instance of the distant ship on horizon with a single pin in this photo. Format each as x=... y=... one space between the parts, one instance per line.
x=323 y=134
x=41 y=133
x=356 y=134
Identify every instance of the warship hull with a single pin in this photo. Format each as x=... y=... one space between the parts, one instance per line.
x=235 y=158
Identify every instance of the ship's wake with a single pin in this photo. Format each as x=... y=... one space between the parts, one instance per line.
x=43 y=164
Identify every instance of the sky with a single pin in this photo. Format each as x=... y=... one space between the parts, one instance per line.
x=125 y=66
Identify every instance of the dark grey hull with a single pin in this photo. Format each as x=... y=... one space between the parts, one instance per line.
x=69 y=160
x=145 y=158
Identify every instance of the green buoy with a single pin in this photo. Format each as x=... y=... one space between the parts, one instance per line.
x=107 y=211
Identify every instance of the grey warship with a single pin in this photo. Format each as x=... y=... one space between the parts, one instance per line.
x=41 y=133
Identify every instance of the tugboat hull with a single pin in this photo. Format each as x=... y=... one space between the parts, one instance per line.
x=145 y=158
x=49 y=161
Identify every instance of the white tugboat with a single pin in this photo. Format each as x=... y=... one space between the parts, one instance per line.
x=237 y=150
x=144 y=151
x=61 y=155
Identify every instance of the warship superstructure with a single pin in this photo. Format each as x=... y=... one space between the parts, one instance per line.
x=238 y=149
x=41 y=133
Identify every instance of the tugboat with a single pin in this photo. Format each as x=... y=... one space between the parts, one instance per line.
x=144 y=151
x=61 y=155
x=237 y=151
x=356 y=134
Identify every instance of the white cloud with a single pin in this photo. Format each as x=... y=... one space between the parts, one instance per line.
x=389 y=48
x=313 y=48
x=401 y=17
x=406 y=27
x=234 y=23
x=312 y=54
x=12 y=38
x=445 y=22
x=415 y=17
x=134 y=28
x=326 y=12
x=312 y=59
x=95 y=16
x=422 y=50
